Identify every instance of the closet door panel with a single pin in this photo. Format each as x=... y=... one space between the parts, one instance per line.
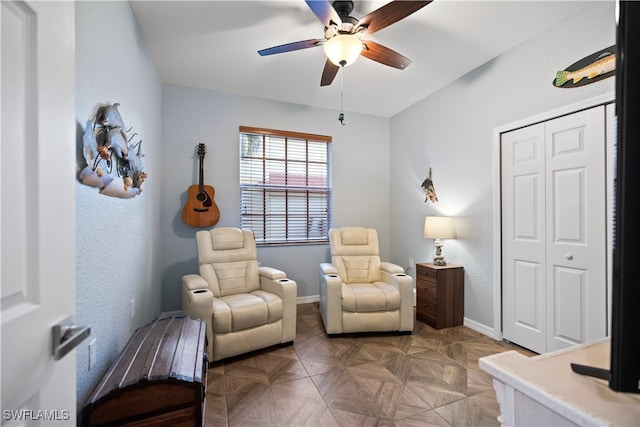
x=568 y=292
x=527 y=288
x=569 y=205
x=523 y=236
x=576 y=228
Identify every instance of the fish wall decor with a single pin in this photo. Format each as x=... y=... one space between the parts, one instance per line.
x=429 y=190
x=589 y=69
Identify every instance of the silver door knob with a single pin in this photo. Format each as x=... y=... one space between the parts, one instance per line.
x=568 y=256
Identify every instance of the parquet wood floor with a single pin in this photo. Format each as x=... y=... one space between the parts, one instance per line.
x=429 y=378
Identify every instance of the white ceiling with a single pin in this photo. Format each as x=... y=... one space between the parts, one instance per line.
x=214 y=44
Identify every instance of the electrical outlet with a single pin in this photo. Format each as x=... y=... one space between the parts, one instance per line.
x=132 y=305
x=411 y=263
x=92 y=353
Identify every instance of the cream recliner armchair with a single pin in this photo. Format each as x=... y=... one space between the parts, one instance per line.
x=358 y=293
x=246 y=307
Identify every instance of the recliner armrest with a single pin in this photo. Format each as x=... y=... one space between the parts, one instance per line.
x=287 y=290
x=328 y=268
x=283 y=287
x=272 y=273
x=404 y=283
x=330 y=298
x=399 y=280
x=391 y=268
x=191 y=282
x=197 y=299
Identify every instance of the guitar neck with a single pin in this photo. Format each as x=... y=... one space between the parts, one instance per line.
x=201 y=175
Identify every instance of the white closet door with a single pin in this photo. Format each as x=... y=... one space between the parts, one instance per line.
x=554 y=232
x=576 y=231
x=523 y=237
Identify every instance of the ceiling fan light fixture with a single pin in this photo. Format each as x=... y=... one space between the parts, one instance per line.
x=343 y=49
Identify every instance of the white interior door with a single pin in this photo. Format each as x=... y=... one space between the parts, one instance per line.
x=523 y=235
x=576 y=231
x=554 y=232
x=37 y=210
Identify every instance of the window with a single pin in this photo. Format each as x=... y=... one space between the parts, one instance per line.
x=285 y=185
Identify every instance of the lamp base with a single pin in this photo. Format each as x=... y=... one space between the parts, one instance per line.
x=438 y=259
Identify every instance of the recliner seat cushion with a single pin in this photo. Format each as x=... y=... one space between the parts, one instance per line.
x=236 y=312
x=369 y=297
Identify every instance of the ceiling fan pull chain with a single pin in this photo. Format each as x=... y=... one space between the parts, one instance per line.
x=341 y=115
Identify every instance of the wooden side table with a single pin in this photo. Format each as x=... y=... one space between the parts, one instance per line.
x=440 y=294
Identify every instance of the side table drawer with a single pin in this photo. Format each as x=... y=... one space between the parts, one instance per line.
x=426 y=290
x=429 y=308
x=427 y=312
x=423 y=273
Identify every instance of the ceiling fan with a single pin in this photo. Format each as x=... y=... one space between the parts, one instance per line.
x=343 y=33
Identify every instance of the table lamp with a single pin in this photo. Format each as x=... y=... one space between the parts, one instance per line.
x=438 y=228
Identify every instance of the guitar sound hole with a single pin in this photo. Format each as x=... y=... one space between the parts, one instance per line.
x=201 y=197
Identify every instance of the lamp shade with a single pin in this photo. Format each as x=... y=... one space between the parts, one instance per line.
x=438 y=227
x=343 y=49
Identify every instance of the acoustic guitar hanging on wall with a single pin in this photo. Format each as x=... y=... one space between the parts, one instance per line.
x=200 y=210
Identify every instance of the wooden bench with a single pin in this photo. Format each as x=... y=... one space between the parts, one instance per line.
x=158 y=379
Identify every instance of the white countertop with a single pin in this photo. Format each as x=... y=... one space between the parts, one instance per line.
x=548 y=379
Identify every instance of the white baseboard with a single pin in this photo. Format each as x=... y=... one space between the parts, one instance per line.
x=308 y=299
x=483 y=329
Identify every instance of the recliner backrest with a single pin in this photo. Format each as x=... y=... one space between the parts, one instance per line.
x=228 y=260
x=355 y=254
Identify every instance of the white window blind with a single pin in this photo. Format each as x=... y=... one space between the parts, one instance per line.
x=285 y=185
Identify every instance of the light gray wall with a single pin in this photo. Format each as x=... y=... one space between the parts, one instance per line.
x=452 y=132
x=117 y=239
x=190 y=116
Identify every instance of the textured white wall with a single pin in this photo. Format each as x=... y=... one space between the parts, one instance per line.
x=117 y=239
x=452 y=132
x=192 y=116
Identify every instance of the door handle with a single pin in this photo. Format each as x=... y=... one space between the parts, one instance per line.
x=67 y=336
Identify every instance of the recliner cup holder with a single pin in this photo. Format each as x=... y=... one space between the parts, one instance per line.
x=200 y=291
x=332 y=275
